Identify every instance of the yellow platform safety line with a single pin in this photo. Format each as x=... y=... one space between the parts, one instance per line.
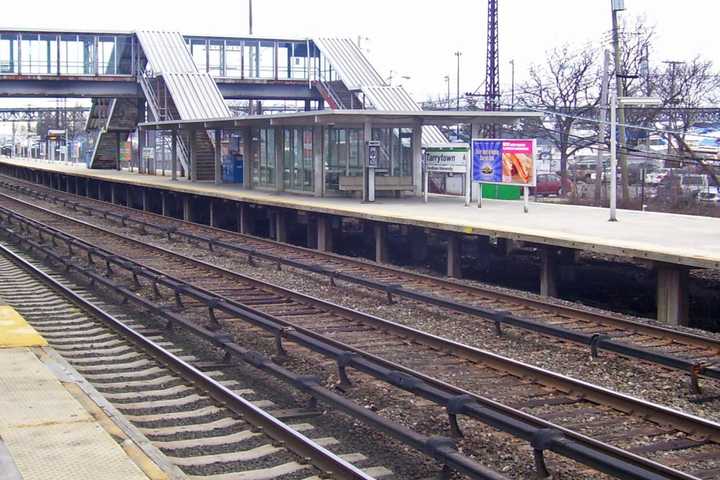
x=16 y=332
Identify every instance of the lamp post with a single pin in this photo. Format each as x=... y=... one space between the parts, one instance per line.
x=616 y=101
x=250 y=15
x=457 y=107
x=512 y=85
x=447 y=81
x=618 y=6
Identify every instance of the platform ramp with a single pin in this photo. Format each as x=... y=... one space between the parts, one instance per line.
x=367 y=88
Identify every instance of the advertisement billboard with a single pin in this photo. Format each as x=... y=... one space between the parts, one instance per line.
x=504 y=161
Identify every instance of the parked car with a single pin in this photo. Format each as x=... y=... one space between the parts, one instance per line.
x=711 y=195
x=548 y=184
x=656 y=176
x=687 y=185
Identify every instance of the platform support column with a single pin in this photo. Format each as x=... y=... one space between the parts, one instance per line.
x=548 y=272
x=145 y=203
x=280 y=219
x=67 y=184
x=318 y=165
x=187 y=212
x=418 y=244
x=381 y=252
x=453 y=255
x=218 y=157
x=174 y=153
x=213 y=214
x=312 y=233
x=164 y=204
x=417 y=159
x=672 y=294
x=324 y=234
x=77 y=186
x=192 y=155
x=141 y=145
x=243 y=219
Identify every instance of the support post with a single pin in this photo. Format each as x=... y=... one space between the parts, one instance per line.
x=141 y=146
x=280 y=226
x=312 y=233
x=318 y=165
x=381 y=253
x=453 y=255
x=418 y=241
x=324 y=234
x=117 y=150
x=187 y=208
x=218 y=156
x=672 y=294
x=145 y=203
x=548 y=272
x=164 y=204
x=243 y=219
x=417 y=171
x=192 y=155
x=174 y=155
x=367 y=136
x=213 y=214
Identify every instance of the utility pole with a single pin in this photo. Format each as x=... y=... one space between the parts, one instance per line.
x=602 y=116
x=617 y=6
x=250 y=15
x=457 y=106
x=673 y=64
x=492 y=67
x=447 y=81
x=512 y=84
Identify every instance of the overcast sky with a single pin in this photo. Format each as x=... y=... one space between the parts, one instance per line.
x=413 y=38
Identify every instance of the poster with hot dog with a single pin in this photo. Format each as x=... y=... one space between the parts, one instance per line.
x=508 y=162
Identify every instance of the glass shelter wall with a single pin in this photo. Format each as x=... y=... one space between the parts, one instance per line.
x=255 y=59
x=66 y=54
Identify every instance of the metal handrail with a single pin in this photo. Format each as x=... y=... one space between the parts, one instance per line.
x=144 y=80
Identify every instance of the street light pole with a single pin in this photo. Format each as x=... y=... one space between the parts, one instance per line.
x=613 y=156
x=250 y=19
x=512 y=85
x=457 y=107
x=447 y=81
x=617 y=6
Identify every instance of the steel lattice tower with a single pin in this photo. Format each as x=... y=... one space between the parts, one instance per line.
x=492 y=69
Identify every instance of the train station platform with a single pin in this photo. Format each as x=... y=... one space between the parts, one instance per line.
x=673 y=243
x=49 y=428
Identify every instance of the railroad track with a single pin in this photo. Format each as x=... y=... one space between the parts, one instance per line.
x=693 y=354
x=612 y=433
x=185 y=413
x=148 y=379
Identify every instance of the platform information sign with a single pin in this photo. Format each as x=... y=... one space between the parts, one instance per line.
x=505 y=162
x=447 y=158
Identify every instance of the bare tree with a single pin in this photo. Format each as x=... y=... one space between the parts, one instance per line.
x=566 y=87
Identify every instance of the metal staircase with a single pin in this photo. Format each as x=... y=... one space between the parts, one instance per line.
x=359 y=78
x=110 y=120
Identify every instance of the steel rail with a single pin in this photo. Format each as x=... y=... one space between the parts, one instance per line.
x=542 y=434
x=442 y=449
x=297 y=442
x=595 y=341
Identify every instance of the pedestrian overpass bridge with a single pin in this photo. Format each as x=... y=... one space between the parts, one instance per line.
x=133 y=77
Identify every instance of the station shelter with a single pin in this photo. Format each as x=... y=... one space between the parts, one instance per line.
x=319 y=153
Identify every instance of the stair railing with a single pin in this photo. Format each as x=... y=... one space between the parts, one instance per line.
x=145 y=77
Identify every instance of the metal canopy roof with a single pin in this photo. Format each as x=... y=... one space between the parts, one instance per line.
x=348 y=118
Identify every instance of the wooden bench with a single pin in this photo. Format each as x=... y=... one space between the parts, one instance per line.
x=382 y=183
